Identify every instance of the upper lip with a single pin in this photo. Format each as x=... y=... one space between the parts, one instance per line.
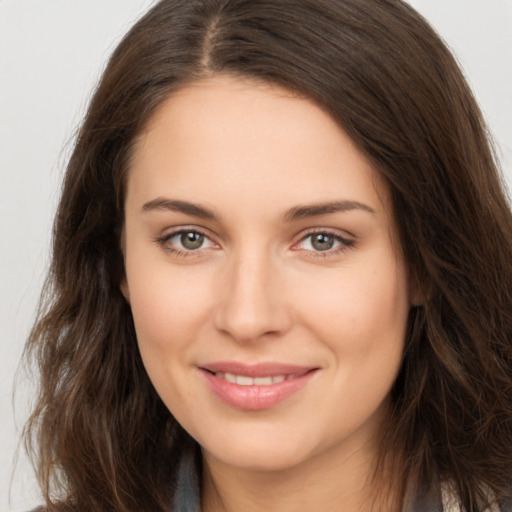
x=256 y=370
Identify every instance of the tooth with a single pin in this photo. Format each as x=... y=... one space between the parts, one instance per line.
x=230 y=377
x=263 y=381
x=244 y=381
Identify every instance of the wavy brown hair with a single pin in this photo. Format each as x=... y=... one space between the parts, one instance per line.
x=100 y=436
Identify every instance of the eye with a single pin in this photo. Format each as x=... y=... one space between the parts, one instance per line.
x=185 y=241
x=324 y=242
x=190 y=240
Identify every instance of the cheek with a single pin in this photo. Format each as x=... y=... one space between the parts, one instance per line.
x=169 y=306
x=359 y=312
x=363 y=322
x=169 y=310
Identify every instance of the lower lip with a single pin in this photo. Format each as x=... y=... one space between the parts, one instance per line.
x=255 y=398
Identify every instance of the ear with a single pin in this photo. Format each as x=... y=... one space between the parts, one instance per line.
x=416 y=293
x=125 y=290
x=123 y=282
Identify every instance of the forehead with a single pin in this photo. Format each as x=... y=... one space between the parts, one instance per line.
x=257 y=141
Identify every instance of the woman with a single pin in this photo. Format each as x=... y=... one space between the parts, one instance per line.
x=281 y=272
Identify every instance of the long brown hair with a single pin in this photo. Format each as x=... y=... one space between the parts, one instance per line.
x=100 y=436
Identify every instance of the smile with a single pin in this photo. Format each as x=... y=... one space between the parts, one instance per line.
x=243 y=380
x=255 y=387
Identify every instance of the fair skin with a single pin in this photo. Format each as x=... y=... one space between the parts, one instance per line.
x=257 y=234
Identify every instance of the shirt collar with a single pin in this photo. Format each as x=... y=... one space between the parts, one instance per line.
x=187 y=497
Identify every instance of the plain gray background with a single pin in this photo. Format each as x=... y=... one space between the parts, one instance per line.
x=51 y=55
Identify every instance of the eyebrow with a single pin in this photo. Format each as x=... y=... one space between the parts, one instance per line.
x=294 y=214
x=315 y=210
x=174 y=205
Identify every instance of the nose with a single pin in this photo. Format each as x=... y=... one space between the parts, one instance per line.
x=252 y=303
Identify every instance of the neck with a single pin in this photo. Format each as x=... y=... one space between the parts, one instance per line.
x=345 y=483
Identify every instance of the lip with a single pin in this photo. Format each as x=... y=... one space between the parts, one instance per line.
x=256 y=370
x=256 y=397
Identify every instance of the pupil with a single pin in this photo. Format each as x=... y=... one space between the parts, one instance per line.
x=192 y=240
x=322 y=242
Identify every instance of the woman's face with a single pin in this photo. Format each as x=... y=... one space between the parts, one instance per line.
x=269 y=298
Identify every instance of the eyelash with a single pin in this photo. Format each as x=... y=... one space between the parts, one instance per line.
x=181 y=253
x=344 y=243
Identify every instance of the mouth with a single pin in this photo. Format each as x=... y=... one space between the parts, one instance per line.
x=256 y=387
x=244 y=380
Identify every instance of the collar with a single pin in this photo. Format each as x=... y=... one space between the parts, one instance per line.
x=187 y=497
x=187 y=494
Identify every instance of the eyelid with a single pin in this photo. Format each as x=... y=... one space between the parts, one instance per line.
x=163 y=240
x=346 y=241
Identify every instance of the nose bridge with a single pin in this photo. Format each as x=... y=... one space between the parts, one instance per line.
x=251 y=305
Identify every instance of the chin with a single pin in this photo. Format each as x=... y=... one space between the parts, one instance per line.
x=259 y=453
x=260 y=460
